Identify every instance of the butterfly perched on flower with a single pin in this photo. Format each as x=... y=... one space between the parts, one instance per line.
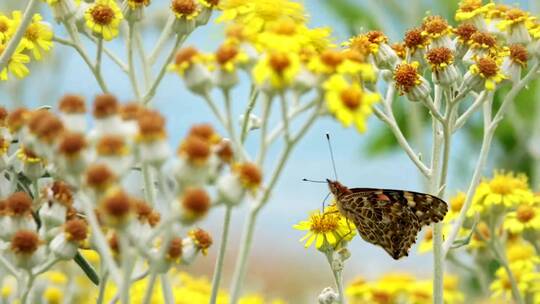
x=388 y=218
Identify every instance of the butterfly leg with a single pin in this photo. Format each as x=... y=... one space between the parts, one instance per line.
x=346 y=234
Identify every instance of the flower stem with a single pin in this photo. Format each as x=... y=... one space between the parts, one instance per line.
x=166 y=289
x=338 y=277
x=221 y=256
x=150 y=288
x=149 y=191
x=131 y=61
x=19 y=34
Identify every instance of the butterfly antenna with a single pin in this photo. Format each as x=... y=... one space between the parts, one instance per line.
x=331 y=155
x=313 y=181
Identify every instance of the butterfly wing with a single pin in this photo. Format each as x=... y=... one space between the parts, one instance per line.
x=391 y=218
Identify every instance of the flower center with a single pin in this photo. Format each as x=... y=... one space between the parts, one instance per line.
x=429 y=235
x=435 y=25
x=457 y=203
x=102 y=14
x=351 y=97
x=184 y=7
x=414 y=38
x=438 y=56
x=525 y=213
x=324 y=223
x=515 y=14
x=186 y=55
x=377 y=37
x=279 y=62
x=406 y=77
x=501 y=185
x=3 y=26
x=32 y=32
x=488 y=68
x=470 y=5
x=332 y=58
x=226 y=53
x=484 y=39
x=465 y=31
x=518 y=53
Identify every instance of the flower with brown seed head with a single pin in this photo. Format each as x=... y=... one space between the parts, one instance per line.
x=19 y=204
x=25 y=242
x=202 y=239
x=16 y=119
x=116 y=206
x=72 y=104
x=195 y=150
x=151 y=126
x=174 y=250
x=112 y=145
x=185 y=9
x=76 y=230
x=105 y=105
x=131 y=110
x=250 y=175
x=99 y=177
x=195 y=203
x=71 y=144
x=62 y=193
x=204 y=131
x=3 y=116
x=485 y=70
x=409 y=82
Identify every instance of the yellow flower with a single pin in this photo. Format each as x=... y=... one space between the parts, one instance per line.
x=525 y=218
x=229 y=56
x=256 y=14
x=38 y=35
x=521 y=252
x=526 y=279
x=103 y=17
x=277 y=69
x=348 y=102
x=16 y=64
x=326 y=229
x=53 y=295
x=6 y=28
x=469 y=9
x=489 y=69
x=456 y=203
x=503 y=190
x=514 y=17
x=290 y=36
x=185 y=9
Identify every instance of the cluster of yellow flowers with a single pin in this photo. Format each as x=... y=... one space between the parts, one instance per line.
x=502 y=223
x=401 y=288
x=36 y=40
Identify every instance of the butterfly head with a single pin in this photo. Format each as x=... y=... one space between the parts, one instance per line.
x=337 y=188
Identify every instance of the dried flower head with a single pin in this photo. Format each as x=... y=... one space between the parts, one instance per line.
x=19 y=204
x=406 y=76
x=250 y=175
x=225 y=151
x=465 y=31
x=99 y=176
x=112 y=145
x=195 y=149
x=76 y=230
x=435 y=27
x=519 y=54
x=187 y=9
x=279 y=62
x=205 y=132
x=71 y=144
x=50 y=128
x=174 y=252
x=483 y=40
x=116 y=204
x=226 y=52
x=439 y=58
x=415 y=40
x=72 y=104
x=201 y=239
x=151 y=126
x=62 y=193
x=196 y=202
x=105 y=105
x=25 y=242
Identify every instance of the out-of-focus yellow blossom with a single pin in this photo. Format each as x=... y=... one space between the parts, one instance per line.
x=426 y=245
x=326 y=228
x=525 y=218
x=287 y=35
x=276 y=70
x=469 y=9
x=16 y=64
x=38 y=35
x=456 y=203
x=103 y=18
x=53 y=295
x=515 y=16
x=349 y=102
x=229 y=56
x=480 y=236
x=56 y=277
x=187 y=57
x=503 y=190
x=256 y=14
x=521 y=252
x=526 y=278
x=6 y=28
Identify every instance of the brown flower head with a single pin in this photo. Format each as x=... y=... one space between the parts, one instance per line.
x=195 y=149
x=519 y=54
x=99 y=176
x=116 y=204
x=151 y=126
x=376 y=37
x=414 y=39
x=19 y=204
x=105 y=105
x=483 y=40
x=279 y=62
x=332 y=58
x=174 y=252
x=435 y=26
x=184 y=7
x=76 y=230
x=196 y=202
x=3 y=116
x=50 y=128
x=185 y=56
x=25 y=242
x=226 y=52
x=351 y=97
x=111 y=145
x=487 y=66
x=225 y=151
x=17 y=118
x=102 y=14
x=525 y=213
x=399 y=48
x=202 y=239
x=470 y=5
x=406 y=77
x=131 y=110
x=205 y=132
x=465 y=31
x=439 y=58
x=62 y=193
x=71 y=144
x=250 y=175
x=72 y=104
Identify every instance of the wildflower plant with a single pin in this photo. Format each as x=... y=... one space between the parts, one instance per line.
x=111 y=195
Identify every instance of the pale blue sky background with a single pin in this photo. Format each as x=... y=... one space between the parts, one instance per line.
x=275 y=240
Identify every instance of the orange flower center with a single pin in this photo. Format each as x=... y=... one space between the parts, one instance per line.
x=525 y=213
x=518 y=53
x=435 y=25
x=102 y=14
x=489 y=68
x=470 y=5
x=332 y=58
x=32 y=32
x=406 y=77
x=279 y=62
x=438 y=56
x=351 y=97
x=465 y=31
x=484 y=39
x=324 y=223
x=184 y=7
x=226 y=53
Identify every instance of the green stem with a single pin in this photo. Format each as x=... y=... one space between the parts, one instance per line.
x=251 y=104
x=162 y=40
x=149 y=190
x=5 y=56
x=338 y=278
x=221 y=256
x=131 y=62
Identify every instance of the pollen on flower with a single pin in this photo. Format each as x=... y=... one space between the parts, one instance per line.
x=195 y=149
x=414 y=39
x=19 y=204
x=519 y=54
x=196 y=201
x=143 y=210
x=17 y=118
x=406 y=77
x=186 y=55
x=470 y=5
x=225 y=151
x=202 y=239
x=332 y=58
x=117 y=204
x=279 y=62
x=49 y=128
x=131 y=110
x=440 y=57
x=515 y=14
x=174 y=252
x=102 y=14
x=250 y=175
x=484 y=40
x=465 y=31
x=360 y=44
x=324 y=223
x=151 y=125
x=72 y=104
x=435 y=25
x=399 y=48
x=105 y=105
x=226 y=53
x=111 y=145
x=428 y=236
x=24 y=242
x=487 y=67
x=76 y=230
x=376 y=37
x=525 y=213
x=62 y=193
x=99 y=176
x=71 y=144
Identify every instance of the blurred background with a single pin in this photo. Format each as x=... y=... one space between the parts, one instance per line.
x=279 y=265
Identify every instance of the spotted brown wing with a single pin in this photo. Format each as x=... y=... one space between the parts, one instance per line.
x=391 y=218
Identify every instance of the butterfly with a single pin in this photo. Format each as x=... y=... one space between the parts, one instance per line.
x=388 y=218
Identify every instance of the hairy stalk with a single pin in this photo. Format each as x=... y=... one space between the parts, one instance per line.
x=149 y=190
x=131 y=62
x=254 y=93
x=150 y=288
x=338 y=277
x=5 y=56
x=218 y=269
